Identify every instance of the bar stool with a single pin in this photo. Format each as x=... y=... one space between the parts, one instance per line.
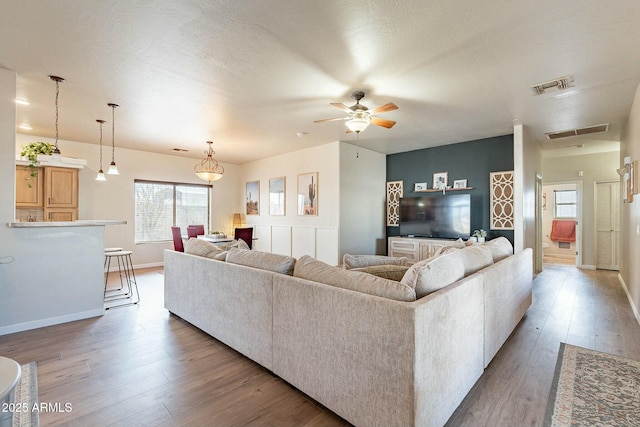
x=127 y=280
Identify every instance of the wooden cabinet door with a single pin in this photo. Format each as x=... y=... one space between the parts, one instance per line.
x=29 y=189
x=61 y=187
x=61 y=214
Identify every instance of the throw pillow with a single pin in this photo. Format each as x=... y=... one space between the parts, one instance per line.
x=360 y=261
x=263 y=260
x=312 y=269
x=240 y=244
x=434 y=273
x=201 y=248
x=391 y=272
x=500 y=248
x=475 y=257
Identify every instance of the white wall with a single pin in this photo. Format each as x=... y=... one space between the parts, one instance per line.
x=630 y=226
x=293 y=234
x=114 y=199
x=594 y=167
x=362 y=201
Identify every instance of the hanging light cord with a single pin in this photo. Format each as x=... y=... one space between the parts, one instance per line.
x=57 y=95
x=100 y=144
x=113 y=130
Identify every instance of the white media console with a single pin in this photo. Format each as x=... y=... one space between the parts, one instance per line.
x=415 y=248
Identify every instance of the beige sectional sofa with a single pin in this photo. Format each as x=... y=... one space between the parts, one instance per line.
x=373 y=360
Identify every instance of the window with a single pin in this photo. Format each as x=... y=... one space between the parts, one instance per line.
x=566 y=203
x=160 y=205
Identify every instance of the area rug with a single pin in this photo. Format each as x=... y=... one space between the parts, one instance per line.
x=593 y=389
x=27 y=398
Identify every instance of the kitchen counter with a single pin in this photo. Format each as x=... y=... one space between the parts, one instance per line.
x=78 y=223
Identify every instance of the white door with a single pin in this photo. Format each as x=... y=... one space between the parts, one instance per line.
x=607 y=224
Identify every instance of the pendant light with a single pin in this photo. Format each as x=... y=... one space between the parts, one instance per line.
x=113 y=169
x=100 y=176
x=209 y=169
x=58 y=80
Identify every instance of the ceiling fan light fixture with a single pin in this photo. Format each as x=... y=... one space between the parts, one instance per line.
x=358 y=124
x=209 y=169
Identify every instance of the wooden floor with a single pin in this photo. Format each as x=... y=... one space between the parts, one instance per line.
x=138 y=365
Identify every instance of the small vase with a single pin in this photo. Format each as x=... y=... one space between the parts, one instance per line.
x=480 y=239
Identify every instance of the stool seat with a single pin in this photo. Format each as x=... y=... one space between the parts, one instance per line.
x=117 y=253
x=112 y=249
x=10 y=373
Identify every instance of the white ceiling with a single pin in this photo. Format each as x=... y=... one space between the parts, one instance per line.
x=250 y=74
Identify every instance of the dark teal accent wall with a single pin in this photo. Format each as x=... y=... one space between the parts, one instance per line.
x=472 y=160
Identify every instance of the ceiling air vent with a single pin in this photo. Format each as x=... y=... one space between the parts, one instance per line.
x=560 y=83
x=575 y=132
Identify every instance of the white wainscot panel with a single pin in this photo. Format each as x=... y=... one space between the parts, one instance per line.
x=327 y=245
x=303 y=241
x=263 y=235
x=281 y=239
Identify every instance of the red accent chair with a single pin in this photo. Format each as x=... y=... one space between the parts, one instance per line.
x=195 y=230
x=177 y=239
x=245 y=234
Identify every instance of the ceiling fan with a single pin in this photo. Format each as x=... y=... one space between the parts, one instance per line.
x=359 y=116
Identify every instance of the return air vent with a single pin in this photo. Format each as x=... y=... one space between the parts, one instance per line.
x=576 y=132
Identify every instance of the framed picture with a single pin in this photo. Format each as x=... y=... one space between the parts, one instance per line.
x=308 y=194
x=252 y=197
x=440 y=180
x=277 y=196
x=460 y=183
x=420 y=186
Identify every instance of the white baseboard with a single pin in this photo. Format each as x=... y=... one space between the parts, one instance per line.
x=41 y=323
x=587 y=267
x=631 y=303
x=149 y=265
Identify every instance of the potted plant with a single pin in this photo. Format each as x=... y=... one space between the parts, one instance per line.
x=479 y=235
x=32 y=150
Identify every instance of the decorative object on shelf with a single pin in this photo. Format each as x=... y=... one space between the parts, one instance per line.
x=277 y=196
x=502 y=200
x=440 y=181
x=629 y=174
x=113 y=169
x=308 y=194
x=31 y=151
x=58 y=80
x=209 y=169
x=252 y=195
x=394 y=194
x=100 y=176
x=460 y=183
x=420 y=186
x=479 y=235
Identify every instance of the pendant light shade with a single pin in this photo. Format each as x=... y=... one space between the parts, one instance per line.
x=358 y=124
x=209 y=169
x=113 y=169
x=58 y=80
x=100 y=176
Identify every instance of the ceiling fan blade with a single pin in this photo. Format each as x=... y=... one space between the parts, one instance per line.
x=328 y=120
x=382 y=122
x=389 y=106
x=348 y=131
x=341 y=106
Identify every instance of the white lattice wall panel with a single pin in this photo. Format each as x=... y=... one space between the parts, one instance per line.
x=394 y=193
x=502 y=200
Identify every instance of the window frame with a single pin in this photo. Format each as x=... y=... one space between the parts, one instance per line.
x=174 y=186
x=556 y=204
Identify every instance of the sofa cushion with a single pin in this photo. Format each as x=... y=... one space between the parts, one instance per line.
x=263 y=260
x=391 y=272
x=240 y=244
x=312 y=269
x=434 y=273
x=500 y=248
x=202 y=248
x=360 y=261
x=475 y=257
x=458 y=244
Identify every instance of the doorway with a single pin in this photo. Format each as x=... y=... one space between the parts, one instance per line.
x=560 y=223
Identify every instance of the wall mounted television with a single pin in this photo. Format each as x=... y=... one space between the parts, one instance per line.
x=439 y=216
